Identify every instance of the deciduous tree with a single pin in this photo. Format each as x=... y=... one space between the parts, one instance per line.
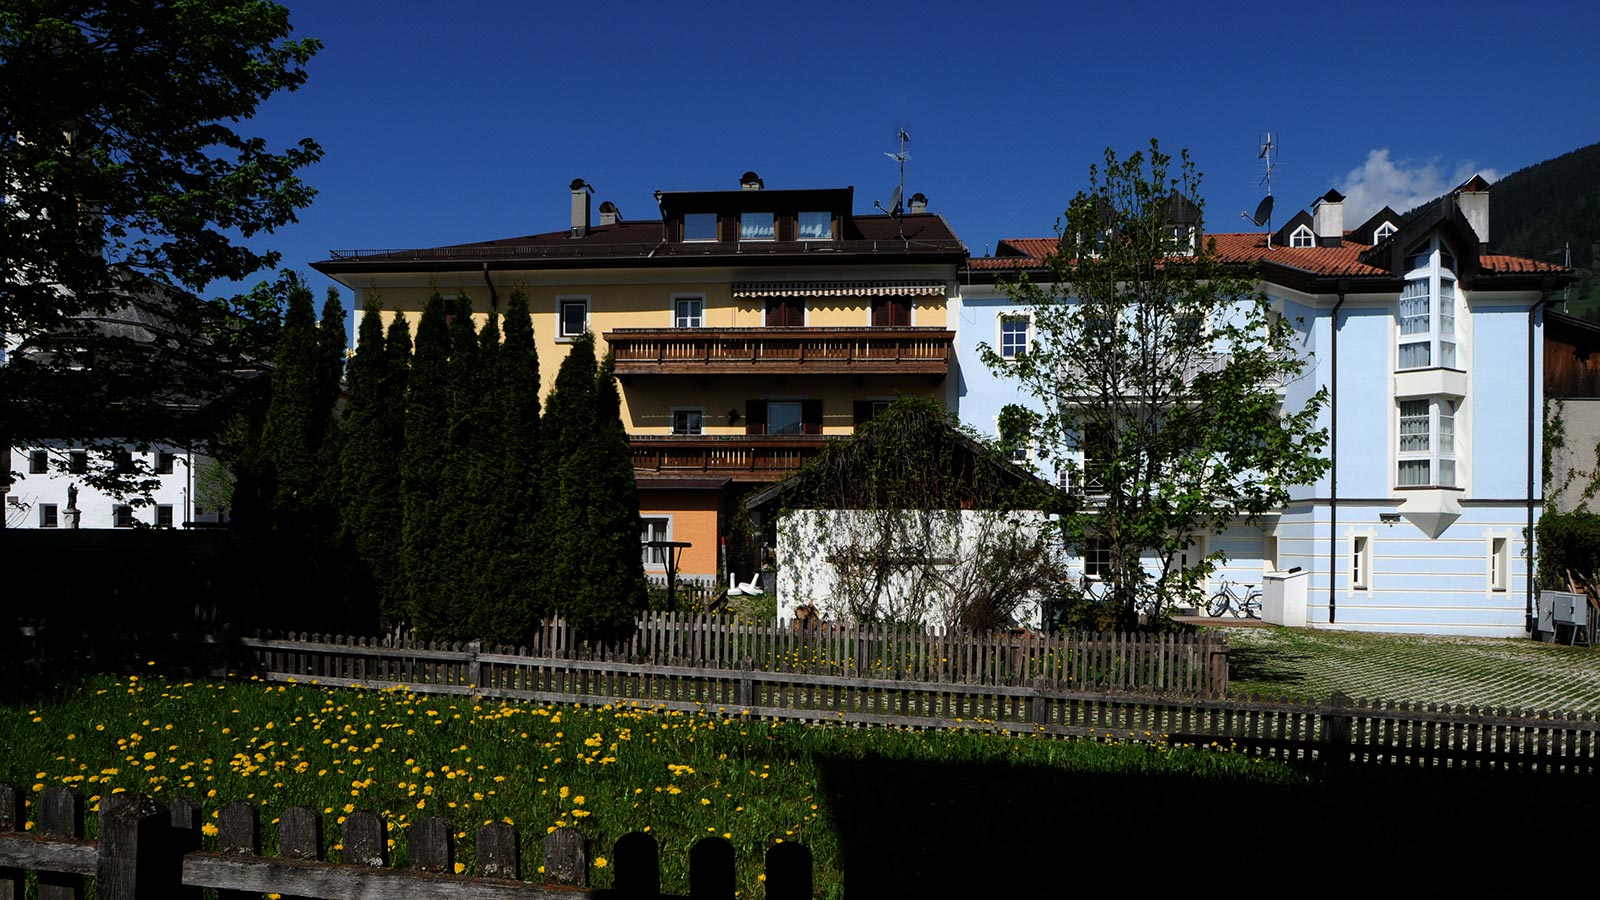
x=1155 y=370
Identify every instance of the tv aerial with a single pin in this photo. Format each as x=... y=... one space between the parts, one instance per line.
x=1268 y=154
x=893 y=206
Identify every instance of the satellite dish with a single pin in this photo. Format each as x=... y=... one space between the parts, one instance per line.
x=1263 y=212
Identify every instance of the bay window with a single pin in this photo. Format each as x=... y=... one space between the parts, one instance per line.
x=1427 y=443
x=1427 y=310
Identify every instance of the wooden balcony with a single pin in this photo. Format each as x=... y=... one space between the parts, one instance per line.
x=744 y=457
x=781 y=351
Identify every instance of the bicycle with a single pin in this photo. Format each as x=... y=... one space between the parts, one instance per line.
x=1226 y=599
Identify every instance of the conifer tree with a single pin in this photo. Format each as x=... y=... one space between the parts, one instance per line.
x=297 y=418
x=595 y=569
x=390 y=510
x=519 y=544
x=427 y=445
x=370 y=479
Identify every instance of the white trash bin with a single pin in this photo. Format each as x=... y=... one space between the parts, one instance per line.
x=1283 y=597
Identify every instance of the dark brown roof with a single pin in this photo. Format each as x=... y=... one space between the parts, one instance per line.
x=639 y=242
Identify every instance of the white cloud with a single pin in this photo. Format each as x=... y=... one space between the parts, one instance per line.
x=1402 y=185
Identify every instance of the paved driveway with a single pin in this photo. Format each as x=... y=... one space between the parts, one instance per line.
x=1491 y=672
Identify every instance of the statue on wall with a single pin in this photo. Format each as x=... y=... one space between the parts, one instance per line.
x=72 y=496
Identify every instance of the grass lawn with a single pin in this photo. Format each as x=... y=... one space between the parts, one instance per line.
x=1301 y=662
x=886 y=813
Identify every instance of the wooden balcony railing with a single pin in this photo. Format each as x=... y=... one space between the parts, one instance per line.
x=783 y=351
x=749 y=457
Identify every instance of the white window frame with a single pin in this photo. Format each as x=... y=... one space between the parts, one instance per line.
x=1000 y=333
x=800 y=228
x=118 y=510
x=659 y=564
x=1095 y=554
x=771 y=222
x=170 y=514
x=1439 y=442
x=1302 y=238
x=1383 y=232
x=699 y=216
x=1498 y=553
x=1180 y=240
x=1359 y=562
x=1431 y=298
x=673 y=414
x=678 y=319
x=562 y=302
x=49 y=515
x=38 y=462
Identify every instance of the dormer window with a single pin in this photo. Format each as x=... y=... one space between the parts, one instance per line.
x=1383 y=232
x=700 y=226
x=1302 y=237
x=816 y=226
x=756 y=226
x=1180 y=240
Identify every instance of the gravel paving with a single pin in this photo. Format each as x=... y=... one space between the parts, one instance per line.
x=1492 y=672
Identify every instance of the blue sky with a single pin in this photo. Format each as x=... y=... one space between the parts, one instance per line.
x=446 y=123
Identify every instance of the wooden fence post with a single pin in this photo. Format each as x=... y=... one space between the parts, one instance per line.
x=238 y=832
x=13 y=817
x=789 y=872
x=711 y=869
x=135 y=849
x=475 y=669
x=366 y=843
x=185 y=837
x=300 y=834
x=498 y=856
x=638 y=860
x=1335 y=749
x=433 y=847
x=1038 y=703
x=1217 y=669
x=61 y=815
x=566 y=857
x=747 y=691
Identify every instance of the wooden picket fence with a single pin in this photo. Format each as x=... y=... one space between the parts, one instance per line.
x=1336 y=730
x=146 y=851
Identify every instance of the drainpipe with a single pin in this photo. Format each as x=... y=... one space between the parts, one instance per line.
x=1333 y=458
x=494 y=301
x=1533 y=314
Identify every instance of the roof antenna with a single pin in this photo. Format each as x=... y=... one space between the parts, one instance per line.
x=893 y=207
x=1263 y=216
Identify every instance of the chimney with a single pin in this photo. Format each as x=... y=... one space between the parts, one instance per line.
x=919 y=202
x=580 y=207
x=750 y=181
x=1472 y=199
x=1327 y=219
x=609 y=214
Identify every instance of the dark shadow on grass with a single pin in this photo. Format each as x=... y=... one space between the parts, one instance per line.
x=934 y=829
x=1276 y=667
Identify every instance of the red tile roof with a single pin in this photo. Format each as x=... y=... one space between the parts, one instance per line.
x=1244 y=247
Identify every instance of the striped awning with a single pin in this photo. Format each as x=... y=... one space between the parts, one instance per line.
x=838 y=289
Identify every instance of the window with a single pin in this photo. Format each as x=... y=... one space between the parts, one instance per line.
x=1360 y=561
x=1097 y=559
x=864 y=411
x=700 y=227
x=1383 y=233
x=1499 y=563
x=164 y=515
x=38 y=462
x=1427 y=310
x=121 y=461
x=688 y=312
x=78 y=462
x=164 y=460
x=783 y=417
x=786 y=312
x=1302 y=237
x=755 y=226
x=122 y=516
x=1013 y=336
x=1180 y=240
x=574 y=318
x=48 y=516
x=891 y=312
x=688 y=421
x=816 y=226
x=1427 y=443
x=655 y=528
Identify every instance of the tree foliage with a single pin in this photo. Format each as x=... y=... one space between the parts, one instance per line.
x=369 y=469
x=1155 y=371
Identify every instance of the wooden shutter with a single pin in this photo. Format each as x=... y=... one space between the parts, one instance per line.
x=810 y=416
x=783 y=311
x=755 y=417
x=890 y=312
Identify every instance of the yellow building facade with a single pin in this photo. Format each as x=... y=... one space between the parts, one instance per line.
x=748 y=327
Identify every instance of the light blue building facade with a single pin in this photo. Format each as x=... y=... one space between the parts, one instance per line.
x=1430 y=348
